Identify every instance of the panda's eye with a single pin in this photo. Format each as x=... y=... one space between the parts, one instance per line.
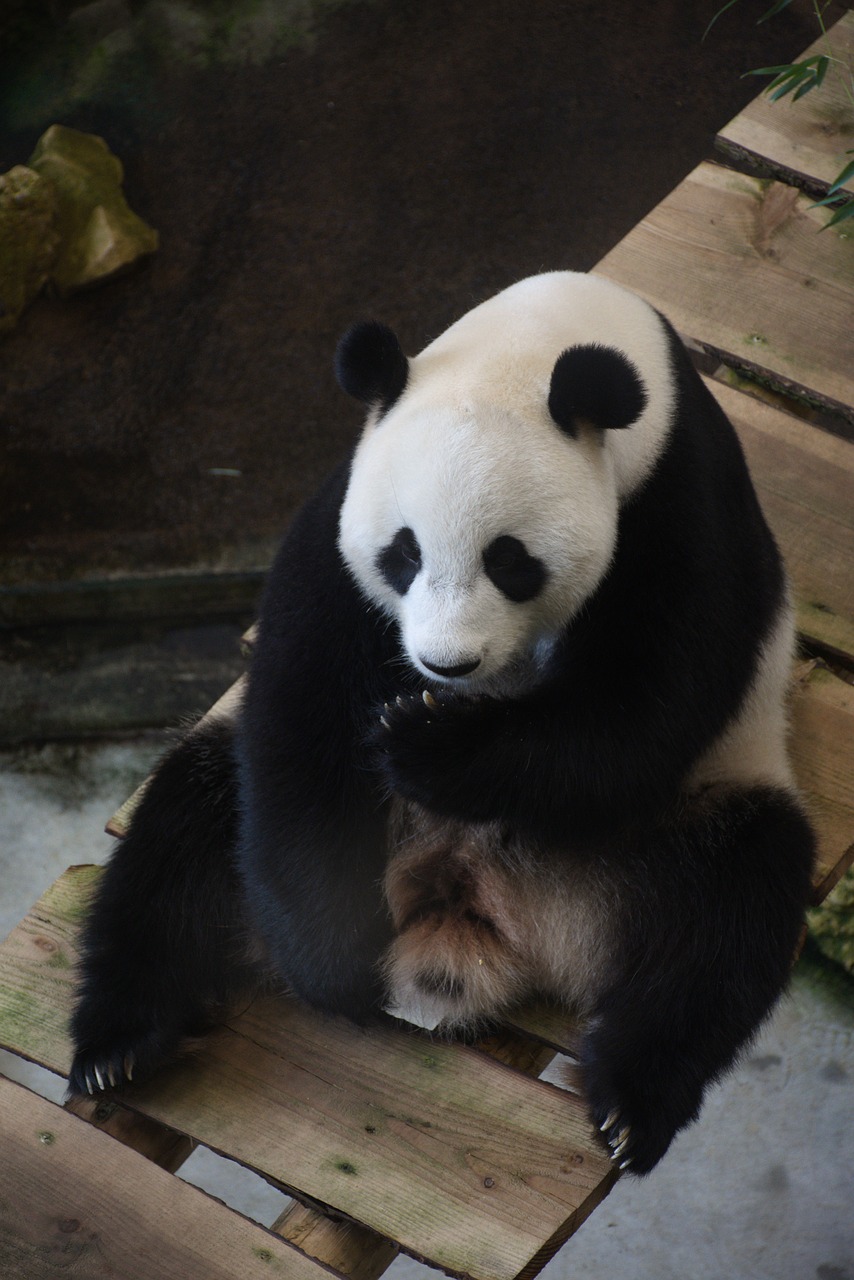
x=400 y=561
x=517 y=574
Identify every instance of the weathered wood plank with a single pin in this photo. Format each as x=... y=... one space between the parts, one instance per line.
x=805 y=140
x=163 y=1146
x=462 y=1160
x=738 y=266
x=349 y=1247
x=459 y=1158
x=74 y=1201
x=805 y=481
x=823 y=751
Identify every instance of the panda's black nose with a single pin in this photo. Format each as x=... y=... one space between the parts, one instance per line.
x=464 y=668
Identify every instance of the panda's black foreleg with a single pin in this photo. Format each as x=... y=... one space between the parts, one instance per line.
x=163 y=947
x=711 y=905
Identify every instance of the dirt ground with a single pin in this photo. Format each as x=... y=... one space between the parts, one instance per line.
x=403 y=163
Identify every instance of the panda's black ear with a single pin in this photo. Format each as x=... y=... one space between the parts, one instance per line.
x=370 y=365
x=595 y=384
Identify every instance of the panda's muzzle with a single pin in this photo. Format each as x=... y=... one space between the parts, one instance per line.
x=462 y=669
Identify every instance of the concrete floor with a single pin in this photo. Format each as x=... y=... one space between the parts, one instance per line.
x=761 y=1188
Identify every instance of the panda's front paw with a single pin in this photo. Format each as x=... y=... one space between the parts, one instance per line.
x=420 y=747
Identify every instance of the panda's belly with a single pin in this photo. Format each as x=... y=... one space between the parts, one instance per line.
x=482 y=923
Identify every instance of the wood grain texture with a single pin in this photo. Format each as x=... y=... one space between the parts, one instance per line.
x=356 y=1251
x=805 y=481
x=463 y=1161
x=739 y=267
x=459 y=1158
x=75 y=1202
x=348 y=1247
x=807 y=139
x=163 y=1146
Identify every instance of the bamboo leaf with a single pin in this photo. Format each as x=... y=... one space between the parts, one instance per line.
x=781 y=93
x=777 y=8
x=805 y=88
x=841 y=215
x=719 y=13
x=841 y=179
x=788 y=68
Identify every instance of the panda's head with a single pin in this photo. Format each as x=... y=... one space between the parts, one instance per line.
x=482 y=506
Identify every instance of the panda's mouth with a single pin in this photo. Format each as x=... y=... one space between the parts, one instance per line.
x=518 y=676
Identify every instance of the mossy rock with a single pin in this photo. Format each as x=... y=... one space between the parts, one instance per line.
x=99 y=235
x=28 y=240
x=832 y=924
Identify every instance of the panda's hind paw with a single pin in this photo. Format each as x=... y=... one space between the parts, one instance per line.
x=103 y=1068
x=100 y=1073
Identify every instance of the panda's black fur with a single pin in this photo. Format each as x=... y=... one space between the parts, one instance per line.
x=261 y=848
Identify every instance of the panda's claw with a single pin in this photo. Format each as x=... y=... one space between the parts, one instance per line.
x=385 y=724
x=99 y=1078
x=401 y=702
x=625 y=1164
x=618 y=1150
x=128 y=1066
x=609 y=1122
x=111 y=1075
x=429 y=700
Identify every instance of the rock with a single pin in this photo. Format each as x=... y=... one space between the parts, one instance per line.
x=100 y=235
x=28 y=240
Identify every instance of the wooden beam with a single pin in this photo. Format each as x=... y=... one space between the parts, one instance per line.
x=73 y=1201
x=805 y=141
x=743 y=269
x=805 y=481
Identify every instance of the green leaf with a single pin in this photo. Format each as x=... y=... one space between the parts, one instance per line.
x=805 y=88
x=777 y=8
x=841 y=215
x=781 y=93
x=841 y=179
x=787 y=68
x=728 y=5
x=824 y=63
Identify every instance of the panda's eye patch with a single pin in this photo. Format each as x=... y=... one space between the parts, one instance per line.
x=517 y=574
x=400 y=561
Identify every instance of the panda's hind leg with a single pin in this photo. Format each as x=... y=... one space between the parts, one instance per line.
x=711 y=906
x=162 y=946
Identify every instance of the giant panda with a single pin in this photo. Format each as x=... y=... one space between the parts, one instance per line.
x=515 y=725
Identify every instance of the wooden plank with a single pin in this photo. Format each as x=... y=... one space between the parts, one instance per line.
x=804 y=140
x=163 y=1146
x=461 y=1159
x=73 y=1201
x=739 y=267
x=349 y=1247
x=823 y=752
x=805 y=481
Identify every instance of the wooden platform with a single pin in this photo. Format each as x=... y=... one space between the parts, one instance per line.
x=388 y=1140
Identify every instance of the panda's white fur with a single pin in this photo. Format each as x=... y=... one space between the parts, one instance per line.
x=470 y=452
